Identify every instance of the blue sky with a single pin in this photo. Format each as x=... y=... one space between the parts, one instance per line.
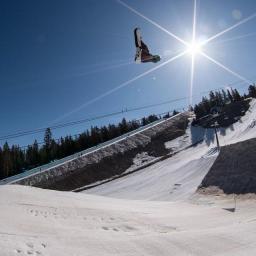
x=58 y=55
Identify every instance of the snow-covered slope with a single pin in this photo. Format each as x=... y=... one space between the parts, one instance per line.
x=44 y=222
x=167 y=220
x=243 y=129
x=177 y=178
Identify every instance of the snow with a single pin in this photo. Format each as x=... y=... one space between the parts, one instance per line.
x=154 y=211
x=159 y=181
x=242 y=130
x=44 y=222
x=141 y=159
x=178 y=177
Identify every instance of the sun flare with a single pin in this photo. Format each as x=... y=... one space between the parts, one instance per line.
x=194 y=48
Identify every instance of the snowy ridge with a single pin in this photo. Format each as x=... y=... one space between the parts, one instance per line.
x=187 y=168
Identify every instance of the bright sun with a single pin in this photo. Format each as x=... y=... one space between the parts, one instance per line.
x=194 y=48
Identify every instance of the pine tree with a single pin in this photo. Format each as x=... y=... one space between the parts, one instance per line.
x=252 y=91
x=153 y=118
x=47 y=138
x=235 y=94
x=212 y=99
x=7 y=164
x=123 y=126
x=206 y=106
x=17 y=160
x=35 y=154
x=230 y=97
x=1 y=164
x=104 y=133
x=32 y=156
x=82 y=141
x=166 y=115
x=46 y=150
x=54 y=147
x=174 y=112
x=95 y=135
x=199 y=110
x=219 y=99
x=224 y=96
x=135 y=124
x=144 y=121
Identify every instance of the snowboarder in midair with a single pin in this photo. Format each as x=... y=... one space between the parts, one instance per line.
x=142 y=51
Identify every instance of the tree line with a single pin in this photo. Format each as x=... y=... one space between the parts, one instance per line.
x=14 y=160
x=218 y=99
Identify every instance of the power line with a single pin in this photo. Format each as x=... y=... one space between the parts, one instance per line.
x=78 y=134
x=86 y=120
x=58 y=126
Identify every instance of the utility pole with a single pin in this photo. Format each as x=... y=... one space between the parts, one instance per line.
x=216 y=134
x=234 y=202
